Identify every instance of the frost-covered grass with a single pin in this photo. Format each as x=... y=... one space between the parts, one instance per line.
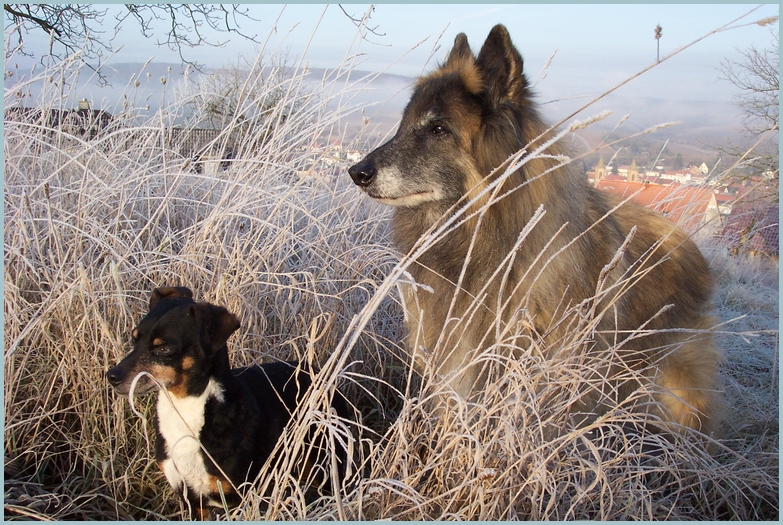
x=91 y=227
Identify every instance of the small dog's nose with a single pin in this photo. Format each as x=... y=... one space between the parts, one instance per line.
x=362 y=173
x=114 y=376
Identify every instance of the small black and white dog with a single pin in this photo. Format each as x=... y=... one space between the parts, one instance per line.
x=235 y=415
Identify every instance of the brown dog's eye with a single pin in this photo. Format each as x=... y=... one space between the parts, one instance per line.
x=437 y=129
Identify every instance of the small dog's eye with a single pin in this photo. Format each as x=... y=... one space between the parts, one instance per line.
x=162 y=350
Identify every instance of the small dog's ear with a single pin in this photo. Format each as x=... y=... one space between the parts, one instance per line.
x=216 y=324
x=169 y=292
x=501 y=66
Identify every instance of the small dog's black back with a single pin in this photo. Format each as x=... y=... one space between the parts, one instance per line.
x=238 y=415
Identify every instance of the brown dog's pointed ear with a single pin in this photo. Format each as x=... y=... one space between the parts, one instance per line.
x=216 y=324
x=501 y=66
x=460 y=53
x=462 y=61
x=169 y=292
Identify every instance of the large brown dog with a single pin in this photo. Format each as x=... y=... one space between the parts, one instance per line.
x=650 y=304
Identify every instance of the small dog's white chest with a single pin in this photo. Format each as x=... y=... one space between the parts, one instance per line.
x=180 y=421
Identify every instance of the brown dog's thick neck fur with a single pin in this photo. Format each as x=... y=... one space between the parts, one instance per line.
x=463 y=121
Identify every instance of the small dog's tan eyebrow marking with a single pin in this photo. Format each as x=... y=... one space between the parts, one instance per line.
x=135 y=333
x=158 y=342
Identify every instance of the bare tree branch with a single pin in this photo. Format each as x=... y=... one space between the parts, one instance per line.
x=361 y=23
x=80 y=28
x=756 y=75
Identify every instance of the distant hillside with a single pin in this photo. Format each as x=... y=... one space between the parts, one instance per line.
x=383 y=98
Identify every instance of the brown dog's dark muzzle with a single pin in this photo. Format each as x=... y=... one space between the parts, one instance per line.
x=363 y=173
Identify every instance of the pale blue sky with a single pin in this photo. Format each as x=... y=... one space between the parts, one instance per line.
x=597 y=45
x=623 y=34
x=608 y=35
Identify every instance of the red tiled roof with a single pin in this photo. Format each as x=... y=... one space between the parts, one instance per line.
x=683 y=205
x=613 y=177
x=724 y=197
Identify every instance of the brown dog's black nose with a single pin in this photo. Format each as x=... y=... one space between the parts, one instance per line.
x=362 y=173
